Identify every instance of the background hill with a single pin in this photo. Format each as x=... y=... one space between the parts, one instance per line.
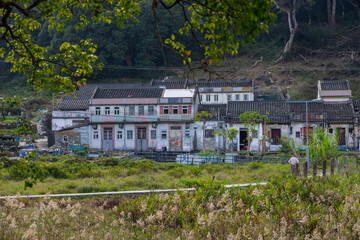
x=323 y=48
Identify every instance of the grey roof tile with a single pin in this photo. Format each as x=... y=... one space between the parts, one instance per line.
x=143 y=92
x=214 y=109
x=331 y=85
x=80 y=103
x=169 y=83
x=220 y=83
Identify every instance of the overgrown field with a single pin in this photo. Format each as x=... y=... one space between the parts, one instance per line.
x=287 y=208
x=71 y=175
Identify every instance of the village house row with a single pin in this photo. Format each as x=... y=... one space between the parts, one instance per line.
x=132 y=117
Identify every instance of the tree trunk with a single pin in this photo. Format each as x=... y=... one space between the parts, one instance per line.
x=331 y=11
x=332 y=166
x=333 y=21
x=314 y=168
x=328 y=4
x=293 y=26
x=248 y=146
x=324 y=167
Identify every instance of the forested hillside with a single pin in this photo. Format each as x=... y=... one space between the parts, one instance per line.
x=309 y=40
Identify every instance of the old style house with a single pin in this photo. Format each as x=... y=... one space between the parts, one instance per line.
x=70 y=120
x=289 y=118
x=139 y=119
x=221 y=92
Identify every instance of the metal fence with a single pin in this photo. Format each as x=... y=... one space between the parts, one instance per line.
x=197 y=159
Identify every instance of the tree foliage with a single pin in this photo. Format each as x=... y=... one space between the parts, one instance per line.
x=230 y=134
x=204 y=117
x=250 y=120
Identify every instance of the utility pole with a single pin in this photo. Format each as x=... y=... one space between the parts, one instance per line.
x=307 y=136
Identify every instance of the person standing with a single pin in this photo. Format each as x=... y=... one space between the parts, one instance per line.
x=294 y=161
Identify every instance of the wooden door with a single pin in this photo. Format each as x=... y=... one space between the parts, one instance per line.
x=341 y=132
x=275 y=136
x=141 y=139
x=108 y=143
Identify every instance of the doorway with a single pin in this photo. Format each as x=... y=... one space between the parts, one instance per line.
x=108 y=143
x=141 y=139
x=243 y=136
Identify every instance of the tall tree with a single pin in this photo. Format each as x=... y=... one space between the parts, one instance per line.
x=331 y=12
x=290 y=7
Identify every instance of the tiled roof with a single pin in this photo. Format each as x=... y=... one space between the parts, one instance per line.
x=282 y=111
x=268 y=94
x=169 y=84
x=356 y=104
x=89 y=89
x=219 y=83
x=214 y=109
x=83 y=95
x=143 y=92
x=72 y=103
x=339 y=112
x=279 y=111
x=331 y=85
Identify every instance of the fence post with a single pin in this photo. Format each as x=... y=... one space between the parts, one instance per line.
x=305 y=168
x=338 y=166
x=346 y=163
x=357 y=161
x=352 y=163
x=332 y=166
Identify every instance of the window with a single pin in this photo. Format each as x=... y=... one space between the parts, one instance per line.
x=107 y=110
x=275 y=136
x=245 y=97
x=163 y=135
x=200 y=98
x=175 y=109
x=65 y=139
x=237 y=97
x=131 y=110
x=116 y=110
x=119 y=135
x=216 y=98
x=184 y=109
x=166 y=109
x=297 y=134
x=153 y=134
x=187 y=133
x=297 y=117
x=151 y=110
x=209 y=133
x=96 y=135
x=319 y=117
x=129 y=134
x=97 y=111
x=208 y=98
x=141 y=110
x=229 y=97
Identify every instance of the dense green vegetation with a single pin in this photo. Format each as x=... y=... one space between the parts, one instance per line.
x=133 y=53
x=286 y=208
x=70 y=174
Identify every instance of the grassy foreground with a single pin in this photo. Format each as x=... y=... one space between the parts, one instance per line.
x=72 y=175
x=287 y=208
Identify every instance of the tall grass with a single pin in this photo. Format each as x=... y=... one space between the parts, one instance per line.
x=287 y=208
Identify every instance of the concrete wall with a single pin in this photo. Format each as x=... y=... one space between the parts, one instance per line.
x=223 y=97
x=125 y=144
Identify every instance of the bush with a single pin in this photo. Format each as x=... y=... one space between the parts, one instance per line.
x=177 y=172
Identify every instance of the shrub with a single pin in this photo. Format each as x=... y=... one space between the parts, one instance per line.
x=177 y=172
